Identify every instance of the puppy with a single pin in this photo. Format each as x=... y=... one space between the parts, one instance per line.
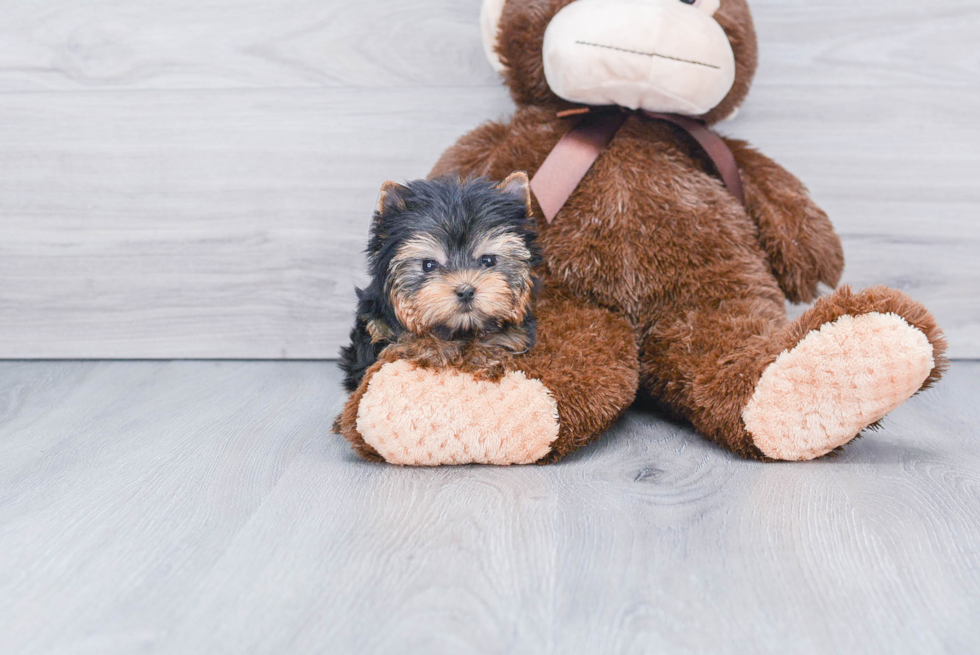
x=451 y=266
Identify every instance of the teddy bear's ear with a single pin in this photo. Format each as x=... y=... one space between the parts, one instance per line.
x=391 y=198
x=517 y=184
x=489 y=21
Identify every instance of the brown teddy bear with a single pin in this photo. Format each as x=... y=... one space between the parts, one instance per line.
x=658 y=280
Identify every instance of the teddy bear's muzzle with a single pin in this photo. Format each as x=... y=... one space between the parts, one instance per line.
x=657 y=55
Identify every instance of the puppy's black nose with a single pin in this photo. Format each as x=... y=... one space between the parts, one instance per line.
x=465 y=293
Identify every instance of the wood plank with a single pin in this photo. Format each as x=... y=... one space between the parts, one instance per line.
x=229 y=44
x=202 y=507
x=221 y=224
x=183 y=454
x=141 y=44
x=229 y=224
x=877 y=43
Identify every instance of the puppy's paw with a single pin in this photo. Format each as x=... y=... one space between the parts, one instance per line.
x=418 y=416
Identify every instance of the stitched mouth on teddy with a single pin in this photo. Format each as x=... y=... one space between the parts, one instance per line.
x=647 y=54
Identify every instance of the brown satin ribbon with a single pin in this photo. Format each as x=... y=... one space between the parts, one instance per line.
x=575 y=153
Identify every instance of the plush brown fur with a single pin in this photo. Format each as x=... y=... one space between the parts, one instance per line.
x=656 y=275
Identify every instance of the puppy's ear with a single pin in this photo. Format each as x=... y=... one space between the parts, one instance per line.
x=516 y=184
x=391 y=198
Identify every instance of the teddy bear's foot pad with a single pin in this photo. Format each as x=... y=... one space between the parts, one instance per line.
x=834 y=383
x=427 y=417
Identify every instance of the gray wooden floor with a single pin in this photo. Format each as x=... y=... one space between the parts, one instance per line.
x=194 y=507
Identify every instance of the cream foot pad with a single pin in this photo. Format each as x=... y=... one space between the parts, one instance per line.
x=427 y=417
x=838 y=380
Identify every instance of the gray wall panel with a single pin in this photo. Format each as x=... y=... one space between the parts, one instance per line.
x=195 y=179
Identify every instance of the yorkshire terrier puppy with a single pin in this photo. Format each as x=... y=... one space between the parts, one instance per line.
x=451 y=266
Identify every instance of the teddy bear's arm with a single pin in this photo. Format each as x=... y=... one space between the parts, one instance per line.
x=578 y=379
x=798 y=238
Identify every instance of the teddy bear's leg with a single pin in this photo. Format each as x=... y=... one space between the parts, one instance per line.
x=587 y=357
x=793 y=391
x=579 y=377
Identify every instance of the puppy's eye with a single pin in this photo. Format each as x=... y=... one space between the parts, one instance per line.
x=488 y=261
x=690 y=2
x=430 y=265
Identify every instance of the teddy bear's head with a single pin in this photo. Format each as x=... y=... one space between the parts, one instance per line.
x=691 y=57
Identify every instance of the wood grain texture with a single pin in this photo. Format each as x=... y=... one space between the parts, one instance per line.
x=232 y=44
x=195 y=179
x=203 y=507
x=230 y=226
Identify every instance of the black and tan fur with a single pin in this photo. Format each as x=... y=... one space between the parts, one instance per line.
x=451 y=265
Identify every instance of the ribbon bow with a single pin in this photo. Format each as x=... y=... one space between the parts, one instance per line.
x=572 y=157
